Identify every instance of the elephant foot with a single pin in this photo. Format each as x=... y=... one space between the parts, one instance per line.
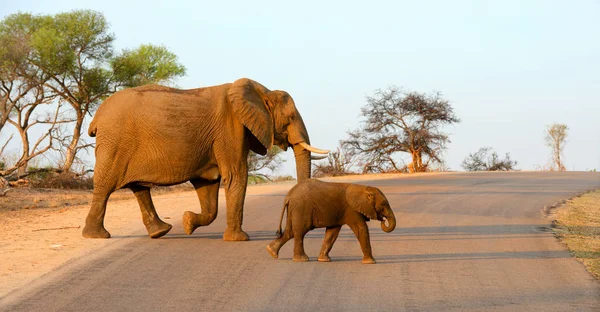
x=188 y=222
x=158 y=230
x=273 y=253
x=324 y=259
x=235 y=235
x=368 y=260
x=95 y=231
x=300 y=258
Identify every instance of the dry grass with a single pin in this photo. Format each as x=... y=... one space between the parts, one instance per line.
x=578 y=226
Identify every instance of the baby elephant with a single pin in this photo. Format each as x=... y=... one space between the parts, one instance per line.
x=316 y=204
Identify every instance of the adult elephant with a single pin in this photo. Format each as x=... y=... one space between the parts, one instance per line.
x=155 y=135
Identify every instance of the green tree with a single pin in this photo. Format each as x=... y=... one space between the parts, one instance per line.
x=22 y=89
x=79 y=57
x=146 y=64
x=72 y=53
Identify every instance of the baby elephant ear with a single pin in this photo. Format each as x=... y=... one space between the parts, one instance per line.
x=247 y=98
x=362 y=200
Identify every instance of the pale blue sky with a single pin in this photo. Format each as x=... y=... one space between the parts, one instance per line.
x=509 y=68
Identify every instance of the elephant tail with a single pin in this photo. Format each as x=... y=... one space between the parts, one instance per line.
x=285 y=205
x=92 y=128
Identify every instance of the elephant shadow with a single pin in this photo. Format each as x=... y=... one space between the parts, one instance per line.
x=254 y=236
x=456 y=234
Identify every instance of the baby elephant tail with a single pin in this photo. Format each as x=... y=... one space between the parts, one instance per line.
x=285 y=205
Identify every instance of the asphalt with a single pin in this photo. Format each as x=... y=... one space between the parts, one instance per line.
x=464 y=242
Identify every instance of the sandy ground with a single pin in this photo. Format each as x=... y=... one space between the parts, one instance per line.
x=37 y=241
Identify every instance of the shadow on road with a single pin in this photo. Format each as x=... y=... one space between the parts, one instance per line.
x=461 y=256
x=254 y=236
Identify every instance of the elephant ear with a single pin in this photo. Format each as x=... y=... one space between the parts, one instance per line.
x=247 y=100
x=362 y=200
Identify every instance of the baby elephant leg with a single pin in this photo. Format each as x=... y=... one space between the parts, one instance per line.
x=274 y=247
x=299 y=254
x=331 y=235
x=362 y=233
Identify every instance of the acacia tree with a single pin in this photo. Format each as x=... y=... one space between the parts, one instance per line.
x=401 y=122
x=556 y=138
x=22 y=90
x=486 y=159
x=72 y=53
x=84 y=71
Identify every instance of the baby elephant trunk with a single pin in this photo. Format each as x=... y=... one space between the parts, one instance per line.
x=390 y=218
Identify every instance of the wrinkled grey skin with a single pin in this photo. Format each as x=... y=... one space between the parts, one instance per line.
x=316 y=204
x=155 y=135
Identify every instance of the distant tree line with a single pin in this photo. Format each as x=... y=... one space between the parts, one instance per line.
x=54 y=72
x=396 y=122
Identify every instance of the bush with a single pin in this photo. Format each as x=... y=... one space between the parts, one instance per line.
x=283 y=178
x=486 y=159
x=61 y=180
x=338 y=163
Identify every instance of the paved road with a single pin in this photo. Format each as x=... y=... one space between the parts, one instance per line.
x=463 y=242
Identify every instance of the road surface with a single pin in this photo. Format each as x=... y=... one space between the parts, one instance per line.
x=464 y=241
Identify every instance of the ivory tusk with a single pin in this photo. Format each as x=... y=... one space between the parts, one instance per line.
x=313 y=149
x=318 y=157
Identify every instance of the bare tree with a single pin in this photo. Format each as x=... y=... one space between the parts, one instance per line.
x=338 y=163
x=556 y=138
x=486 y=159
x=23 y=122
x=257 y=163
x=398 y=121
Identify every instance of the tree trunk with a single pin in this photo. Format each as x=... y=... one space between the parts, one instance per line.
x=23 y=160
x=417 y=163
x=71 y=151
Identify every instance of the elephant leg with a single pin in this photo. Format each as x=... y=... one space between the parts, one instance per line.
x=94 y=223
x=155 y=226
x=235 y=193
x=274 y=247
x=208 y=194
x=362 y=234
x=331 y=235
x=299 y=254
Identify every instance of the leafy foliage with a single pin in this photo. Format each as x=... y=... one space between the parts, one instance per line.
x=401 y=122
x=486 y=159
x=69 y=58
x=146 y=64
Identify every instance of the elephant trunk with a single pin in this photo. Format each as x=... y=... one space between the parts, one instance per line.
x=298 y=138
x=391 y=220
x=303 y=164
